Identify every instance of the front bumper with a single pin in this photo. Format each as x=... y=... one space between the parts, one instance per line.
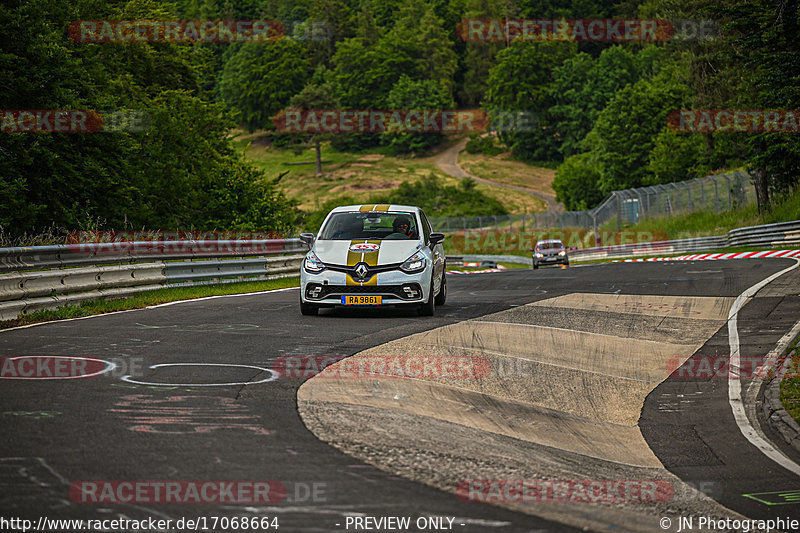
x=395 y=287
x=551 y=260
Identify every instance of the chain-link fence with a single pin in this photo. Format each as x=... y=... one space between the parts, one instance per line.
x=721 y=192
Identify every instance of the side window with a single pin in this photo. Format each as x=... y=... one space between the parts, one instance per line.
x=426 y=227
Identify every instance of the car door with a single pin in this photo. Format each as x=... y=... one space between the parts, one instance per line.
x=437 y=251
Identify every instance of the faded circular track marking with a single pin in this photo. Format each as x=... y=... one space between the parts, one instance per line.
x=273 y=376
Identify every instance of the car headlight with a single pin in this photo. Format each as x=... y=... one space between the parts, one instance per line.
x=415 y=263
x=562 y=253
x=537 y=254
x=313 y=264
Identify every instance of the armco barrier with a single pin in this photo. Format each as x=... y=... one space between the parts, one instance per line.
x=20 y=285
x=84 y=254
x=77 y=272
x=785 y=233
x=40 y=277
x=769 y=236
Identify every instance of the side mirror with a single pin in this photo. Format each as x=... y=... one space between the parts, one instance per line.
x=437 y=238
x=307 y=238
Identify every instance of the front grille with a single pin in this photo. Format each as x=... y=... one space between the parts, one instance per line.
x=371 y=270
x=387 y=290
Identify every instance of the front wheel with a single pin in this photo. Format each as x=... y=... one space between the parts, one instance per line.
x=426 y=309
x=309 y=309
x=535 y=266
x=442 y=296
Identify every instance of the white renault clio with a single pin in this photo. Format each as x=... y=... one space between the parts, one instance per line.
x=373 y=255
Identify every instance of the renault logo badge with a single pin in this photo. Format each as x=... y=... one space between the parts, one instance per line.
x=362 y=270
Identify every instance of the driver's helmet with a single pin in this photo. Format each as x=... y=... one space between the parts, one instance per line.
x=402 y=224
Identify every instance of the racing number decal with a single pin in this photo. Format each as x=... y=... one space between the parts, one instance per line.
x=370 y=258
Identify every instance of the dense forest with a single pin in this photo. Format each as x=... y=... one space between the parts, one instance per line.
x=599 y=108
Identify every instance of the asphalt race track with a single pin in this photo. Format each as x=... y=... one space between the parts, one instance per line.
x=143 y=422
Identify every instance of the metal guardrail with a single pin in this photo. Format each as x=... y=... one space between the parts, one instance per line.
x=700 y=244
x=516 y=259
x=84 y=254
x=767 y=236
x=41 y=277
x=782 y=232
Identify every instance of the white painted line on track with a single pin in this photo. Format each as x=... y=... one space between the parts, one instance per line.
x=273 y=376
x=165 y=304
x=25 y=326
x=735 y=385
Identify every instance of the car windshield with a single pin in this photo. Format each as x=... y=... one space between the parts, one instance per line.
x=371 y=225
x=550 y=245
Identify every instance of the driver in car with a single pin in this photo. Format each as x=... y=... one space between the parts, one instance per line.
x=401 y=228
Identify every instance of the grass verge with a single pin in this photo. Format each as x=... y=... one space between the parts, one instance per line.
x=145 y=299
x=506 y=170
x=358 y=176
x=708 y=223
x=790 y=385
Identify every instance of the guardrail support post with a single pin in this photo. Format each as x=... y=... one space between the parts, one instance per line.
x=730 y=192
x=716 y=195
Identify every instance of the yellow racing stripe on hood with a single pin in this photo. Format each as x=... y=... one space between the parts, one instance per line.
x=370 y=258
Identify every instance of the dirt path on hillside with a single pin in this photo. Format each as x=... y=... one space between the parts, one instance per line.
x=447 y=162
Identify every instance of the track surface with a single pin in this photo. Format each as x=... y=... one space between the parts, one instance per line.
x=103 y=428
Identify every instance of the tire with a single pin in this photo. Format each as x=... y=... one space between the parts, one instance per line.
x=427 y=309
x=309 y=309
x=535 y=266
x=566 y=264
x=442 y=296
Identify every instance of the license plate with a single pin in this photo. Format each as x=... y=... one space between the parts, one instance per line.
x=361 y=300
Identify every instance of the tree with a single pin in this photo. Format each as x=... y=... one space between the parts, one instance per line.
x=260 y=78
x=582 y=86
x=365 y=71
x=625 y=131
x=576 y=182
x=479 y=57
x=181 y=171
x=315 y=96
x=677 y=157
x=753 y=62
x=408 y=94
x=444 y=200
x=426 y=49
x=519 y=82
